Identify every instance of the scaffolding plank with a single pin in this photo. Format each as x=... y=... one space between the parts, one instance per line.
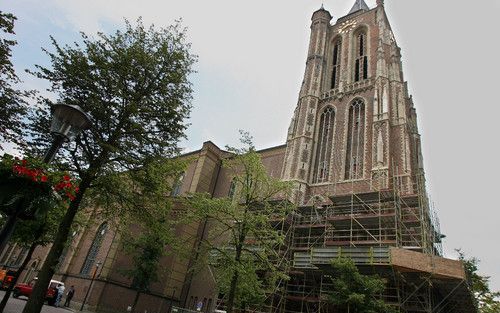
x=405 y=260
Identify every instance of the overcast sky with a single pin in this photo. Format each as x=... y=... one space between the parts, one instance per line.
x=251 y=62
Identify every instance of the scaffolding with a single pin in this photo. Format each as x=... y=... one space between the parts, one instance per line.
x=384 y=228
x=371 y=225
x=375 y=217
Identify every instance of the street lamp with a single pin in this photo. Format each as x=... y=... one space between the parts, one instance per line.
x=67 y=122
x=172 y=300
x=91 y=283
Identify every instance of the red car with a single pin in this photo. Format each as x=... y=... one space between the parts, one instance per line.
x=6 y=277
x=26 y=289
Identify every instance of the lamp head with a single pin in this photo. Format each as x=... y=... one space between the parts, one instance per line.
x=68 y=121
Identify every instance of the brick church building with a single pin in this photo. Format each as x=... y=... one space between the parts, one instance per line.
x=354 y=155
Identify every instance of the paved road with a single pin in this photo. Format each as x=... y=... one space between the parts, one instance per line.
x=17 y=305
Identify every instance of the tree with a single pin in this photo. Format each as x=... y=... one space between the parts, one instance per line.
x=134 y=85
x=147 y=249
x=38 y=196
x=32 y=234
x=354 y=292
x=12 y=105
x=242 y=246
x=486 y=300
x=146 y=220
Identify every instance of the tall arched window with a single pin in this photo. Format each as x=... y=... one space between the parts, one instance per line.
x=355 y=140
x=20 y=256
x=65 y=251
x=6 y=255
x=361 y=56
x=32 y=271
x=337 y=48
x=325 y=144
x=176 y=188
x=94 y=249
x=232 y=189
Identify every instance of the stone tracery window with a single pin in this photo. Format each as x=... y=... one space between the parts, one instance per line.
x=6 y=255
x=18 y=260
x=325 y=145
x=176 y=188
x=232 y=189
x=361 y=56
x=355 y=140
x=65 y=251
x=337 y=48
x=94 y=249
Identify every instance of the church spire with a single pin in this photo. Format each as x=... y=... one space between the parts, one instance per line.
x=359 y=5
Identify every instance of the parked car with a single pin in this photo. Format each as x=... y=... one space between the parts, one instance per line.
x=26 y=289
x=6 y=277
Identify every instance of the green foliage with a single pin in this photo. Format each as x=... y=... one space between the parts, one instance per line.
x=20 y=193
x=136 y=194
x=7 y=28
x=251 y=286
x=242 y=245
x=354 y=292
x=134 y=85
x=146 y=220
x=147 y=249
x=42 y=231
x=27 y=185
x=12 y=105
x=486 y=300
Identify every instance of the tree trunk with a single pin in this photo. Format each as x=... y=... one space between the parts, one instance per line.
x=237 y=259
x=8 y=229
x=136 y=299
x=37 y=298
x=232 y=292
x=234 y=279
x=16 y=276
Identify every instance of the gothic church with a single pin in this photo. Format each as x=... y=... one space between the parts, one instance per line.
x=353 y=153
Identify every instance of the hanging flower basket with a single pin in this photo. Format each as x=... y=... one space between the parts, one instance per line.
x=28 y=188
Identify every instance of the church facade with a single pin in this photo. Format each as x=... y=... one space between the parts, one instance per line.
x=353 y=154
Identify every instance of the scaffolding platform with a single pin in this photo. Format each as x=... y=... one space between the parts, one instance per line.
x=392 y=231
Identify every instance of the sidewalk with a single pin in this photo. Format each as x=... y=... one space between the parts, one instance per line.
x=17 y=306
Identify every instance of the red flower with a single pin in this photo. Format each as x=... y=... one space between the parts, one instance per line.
x=59 y=186
x=65 y=187
x=70 y=196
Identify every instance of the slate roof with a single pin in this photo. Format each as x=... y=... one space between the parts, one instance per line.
x=359 y=5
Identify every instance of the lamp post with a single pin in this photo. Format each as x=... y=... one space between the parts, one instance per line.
x=172 y=300
x=67 y=122
x=91 y=283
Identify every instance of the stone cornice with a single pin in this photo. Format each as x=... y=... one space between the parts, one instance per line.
x=356 y=87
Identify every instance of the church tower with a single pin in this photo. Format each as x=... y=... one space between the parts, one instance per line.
x=353 y=153
x=354 y=127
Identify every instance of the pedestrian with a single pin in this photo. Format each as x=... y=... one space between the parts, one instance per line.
x=60 y=291
x=69 y=296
